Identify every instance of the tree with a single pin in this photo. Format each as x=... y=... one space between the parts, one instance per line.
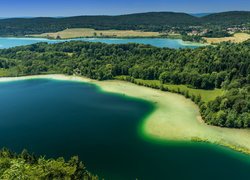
x=165 y=77
x=231 y=117
x=244 y=118
x=221 y=118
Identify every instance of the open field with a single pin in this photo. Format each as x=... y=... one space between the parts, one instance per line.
x=86 y=32
x=206 y=95
x=237 y=38
x=175 y=117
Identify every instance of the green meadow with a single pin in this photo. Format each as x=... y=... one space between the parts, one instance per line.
x=206 y=95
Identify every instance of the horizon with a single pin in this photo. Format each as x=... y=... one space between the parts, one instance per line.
x=193 y=14
x=64 y=8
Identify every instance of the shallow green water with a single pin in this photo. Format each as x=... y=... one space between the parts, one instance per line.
x=60 y=118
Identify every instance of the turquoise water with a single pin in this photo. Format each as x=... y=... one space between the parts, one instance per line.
x=62 y=118
x=158 y=42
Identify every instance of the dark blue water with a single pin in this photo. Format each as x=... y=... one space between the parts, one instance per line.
x=158 y=42
x=61 y=118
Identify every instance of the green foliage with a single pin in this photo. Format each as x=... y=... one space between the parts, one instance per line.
x=27 y=166
x=230 y=110
x=228 y=18
x=192 y=38
x=216 y=33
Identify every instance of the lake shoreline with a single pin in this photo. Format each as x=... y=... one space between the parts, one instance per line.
x=182 y=42
x=166 y=122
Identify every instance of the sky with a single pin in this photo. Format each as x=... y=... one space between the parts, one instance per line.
x=34 y=8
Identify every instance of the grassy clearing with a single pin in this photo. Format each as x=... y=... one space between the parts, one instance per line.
x=237 y=38
x=87 y=32
x=206 y=95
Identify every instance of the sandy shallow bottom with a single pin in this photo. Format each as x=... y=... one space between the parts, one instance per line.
x=175 y=117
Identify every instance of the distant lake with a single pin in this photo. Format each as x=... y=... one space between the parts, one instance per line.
x=63 y=118
x=157 y=42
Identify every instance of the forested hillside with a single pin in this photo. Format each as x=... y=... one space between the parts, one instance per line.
x=228 y=18
x=225 y=66
x=154 y=21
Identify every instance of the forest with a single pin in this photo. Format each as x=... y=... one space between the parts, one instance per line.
x=28 y=166
x=225 y=66
x=182 y=23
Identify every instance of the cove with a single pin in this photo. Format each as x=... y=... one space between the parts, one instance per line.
x=63 y=118
x=157 y=42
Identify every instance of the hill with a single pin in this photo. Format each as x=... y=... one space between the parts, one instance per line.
x=152 y=21
x=228 y=18
x=200 y=14
x=142 y=21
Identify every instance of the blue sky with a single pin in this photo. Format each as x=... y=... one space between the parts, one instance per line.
x=21 y=8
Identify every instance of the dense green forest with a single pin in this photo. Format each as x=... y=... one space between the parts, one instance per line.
x=225 y=66
x=154 y=21
x=228 y=18
x=29 y=167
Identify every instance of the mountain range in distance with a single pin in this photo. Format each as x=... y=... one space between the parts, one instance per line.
x=192 y=14
x=150 y=21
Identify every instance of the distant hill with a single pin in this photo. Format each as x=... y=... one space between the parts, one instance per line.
x=228 y=18
x=152 y=21
x=200 y=14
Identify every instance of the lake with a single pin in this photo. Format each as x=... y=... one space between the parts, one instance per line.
x=63 y=118
x=158 y=42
